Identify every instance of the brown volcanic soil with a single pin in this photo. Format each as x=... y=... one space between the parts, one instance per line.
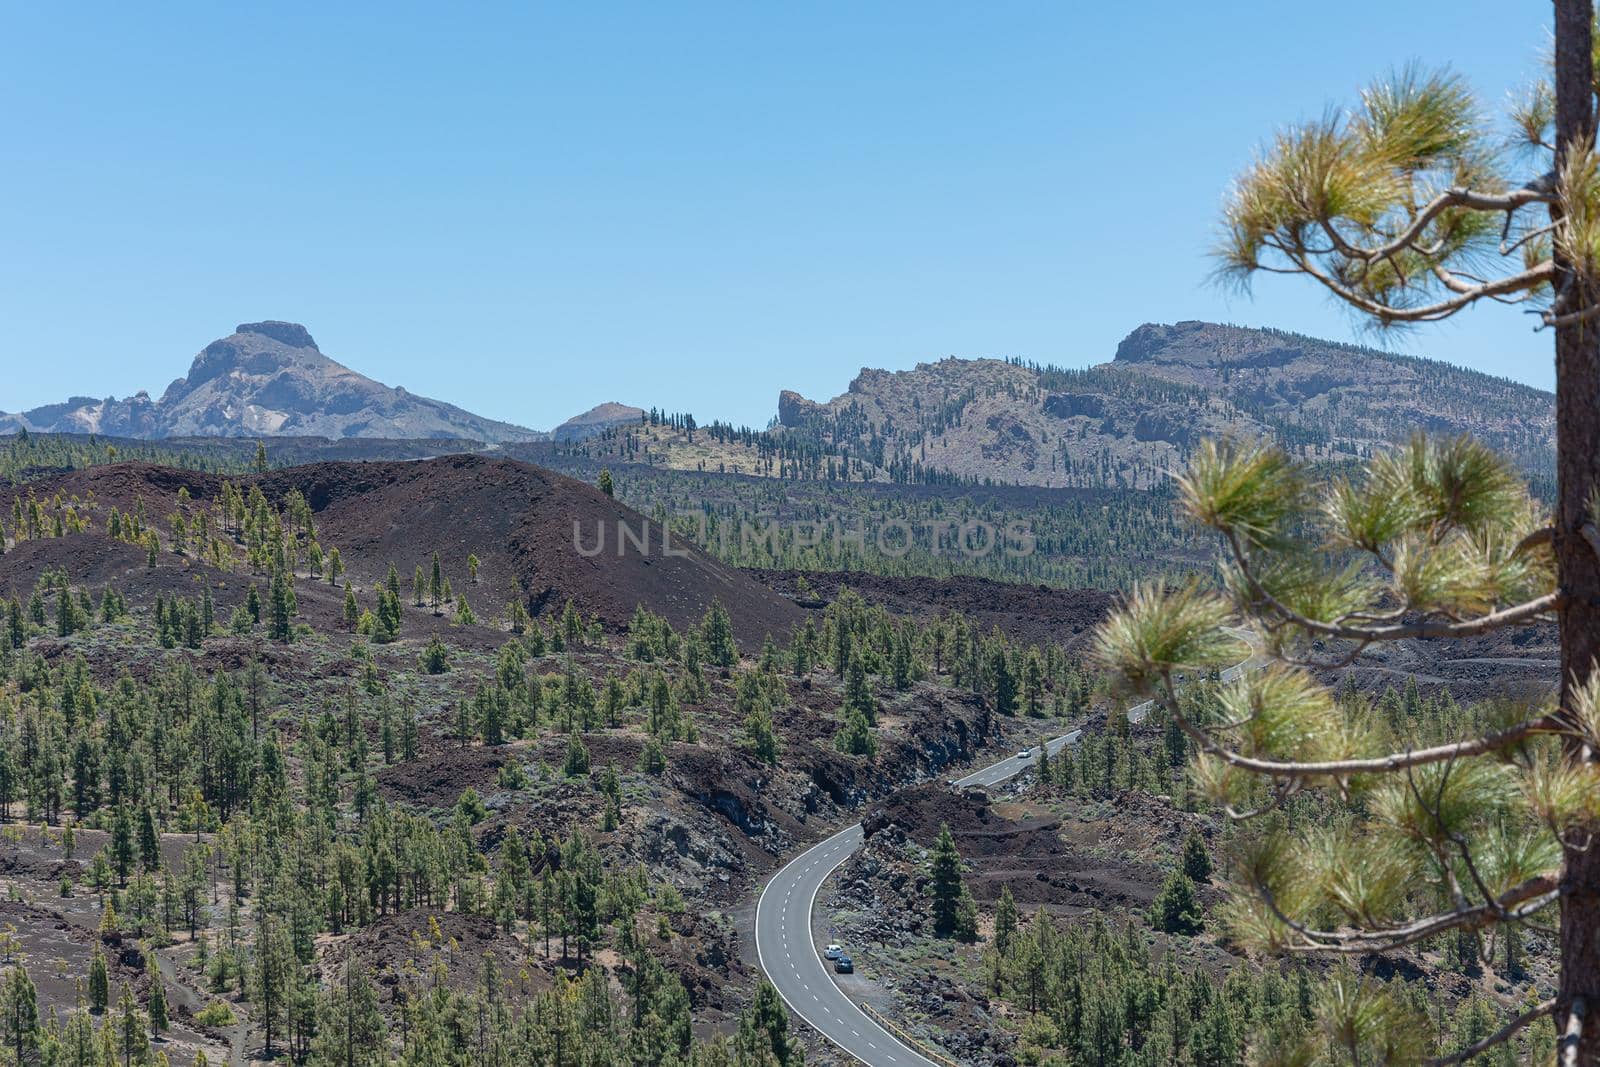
x=1037 y=614
x=517 y=518
x=1065 y=868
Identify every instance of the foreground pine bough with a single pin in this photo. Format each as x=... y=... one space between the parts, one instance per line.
x=1437 y=540
x=1401 y=208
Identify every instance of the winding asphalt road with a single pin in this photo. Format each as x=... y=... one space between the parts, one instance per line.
x=790 y=957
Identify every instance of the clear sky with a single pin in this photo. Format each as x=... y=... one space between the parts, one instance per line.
x=527 y=208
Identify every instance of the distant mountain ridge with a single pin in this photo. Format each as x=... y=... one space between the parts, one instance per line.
x=1125 y=423
x=270 y=379
x=1130 y=421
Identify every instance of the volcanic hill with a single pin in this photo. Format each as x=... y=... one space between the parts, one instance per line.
x=539 y=536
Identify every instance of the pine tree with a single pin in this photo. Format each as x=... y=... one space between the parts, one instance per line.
x=716 y=632
x=271 y=977
x=158 y=1007
x=606 y=485
x=149 y=840
x=132 y=1036
x=855 y=736
x=577 y=761
x=1003 y=681
x=1005 y=921
x=950 y=898
x=760 y=732
x=1196 y=859
x=901 y=662
x=99 y=982
x=1176 y=910
x=1407 y=194
x=280 y=625
x=122 y=843
x=652 y=758
x=19 y=1004
x=767 y=1025
x=1033 y=684
x=435 y=658
x=493 y=720
x=858 y=698
x=351 y=1030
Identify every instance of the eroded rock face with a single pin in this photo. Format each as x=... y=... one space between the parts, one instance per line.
x=290 y=333
x=794 y=409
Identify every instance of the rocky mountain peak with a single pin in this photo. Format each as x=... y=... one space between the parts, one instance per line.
x=1154 y=339
x=289 y=333
x=269 y=378
x=596 y=421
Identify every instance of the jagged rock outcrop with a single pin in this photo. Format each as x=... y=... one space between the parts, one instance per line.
x=794 y=409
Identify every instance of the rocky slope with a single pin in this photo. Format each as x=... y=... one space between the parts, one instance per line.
x=264 y=379
x=596 y=420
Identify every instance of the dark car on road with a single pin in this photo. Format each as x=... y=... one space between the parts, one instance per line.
x=844 y=965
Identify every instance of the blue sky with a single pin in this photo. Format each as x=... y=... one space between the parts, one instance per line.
x=528 y=209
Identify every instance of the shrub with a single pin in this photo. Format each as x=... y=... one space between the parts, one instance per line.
x=435 y=658
x=216 y=1014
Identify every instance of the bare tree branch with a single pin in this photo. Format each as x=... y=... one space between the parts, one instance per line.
x=1572 y=1035
x=1538 y=191
x=1544 y=535
x=1523 y=281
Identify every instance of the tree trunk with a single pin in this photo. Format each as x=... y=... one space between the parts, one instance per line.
x=1577 y=453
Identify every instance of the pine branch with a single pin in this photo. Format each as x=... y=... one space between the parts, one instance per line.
x=1512 y=616
x=1394 y=761
x=1523 y=281
x=1535 y=192
x=1499 y=1037
x=1514 y=904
